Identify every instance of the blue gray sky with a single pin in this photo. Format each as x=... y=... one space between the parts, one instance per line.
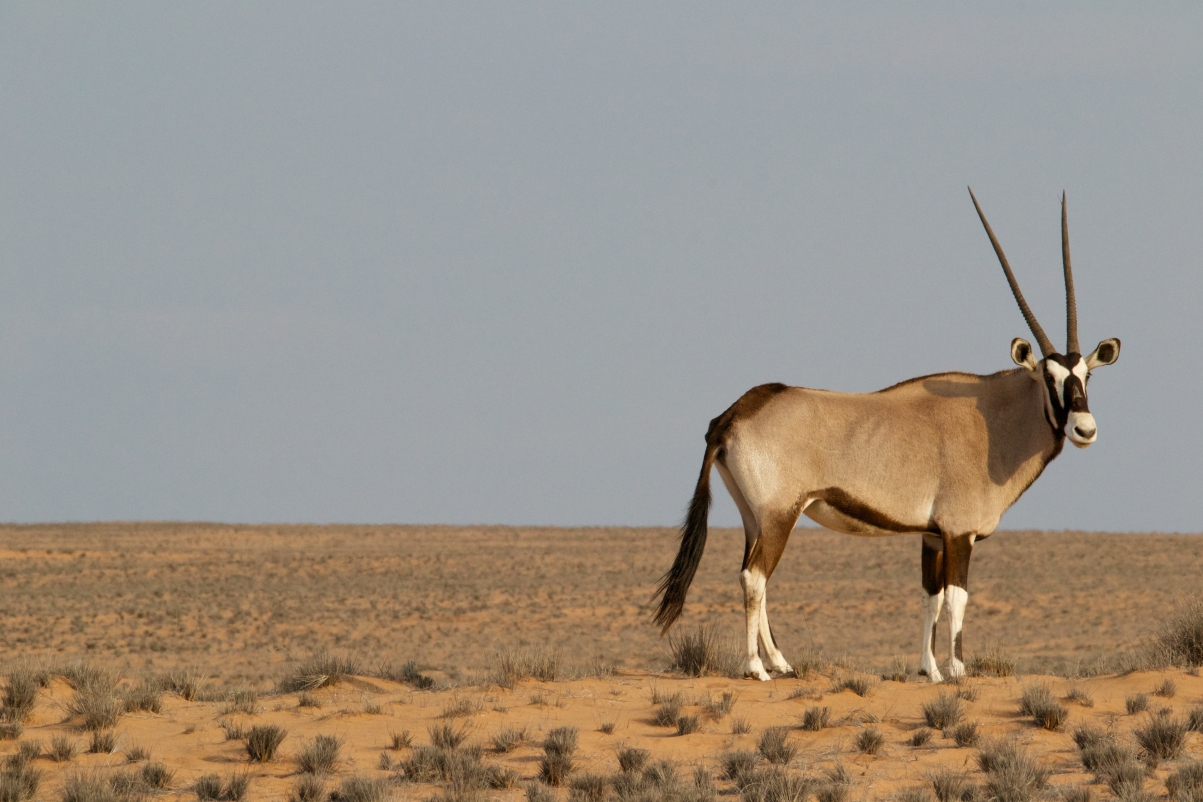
x=502 y=263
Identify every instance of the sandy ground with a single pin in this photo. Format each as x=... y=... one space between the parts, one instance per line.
x=240 y=602
x=188 y=739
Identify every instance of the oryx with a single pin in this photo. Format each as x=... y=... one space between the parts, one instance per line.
x=942 y=455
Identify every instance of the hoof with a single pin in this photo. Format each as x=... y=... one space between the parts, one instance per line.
x=755 y=669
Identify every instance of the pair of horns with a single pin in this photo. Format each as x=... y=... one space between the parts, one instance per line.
x=1071 y=305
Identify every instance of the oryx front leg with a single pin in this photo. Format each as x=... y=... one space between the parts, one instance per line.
x=933 y=603
x=957 y=552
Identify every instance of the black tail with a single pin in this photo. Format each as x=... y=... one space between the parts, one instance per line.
x=675 y=583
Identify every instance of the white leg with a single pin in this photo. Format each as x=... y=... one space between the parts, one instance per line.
x=777 y=661
x=957 y=599
x=931 y=614
x=753 y=582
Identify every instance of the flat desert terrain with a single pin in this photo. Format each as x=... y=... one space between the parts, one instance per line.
x=419 y=614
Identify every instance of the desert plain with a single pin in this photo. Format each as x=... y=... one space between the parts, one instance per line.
x=425 y=621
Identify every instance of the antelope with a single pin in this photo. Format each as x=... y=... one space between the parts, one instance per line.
x=943 y=456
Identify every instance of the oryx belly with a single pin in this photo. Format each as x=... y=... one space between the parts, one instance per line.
x=846 y=521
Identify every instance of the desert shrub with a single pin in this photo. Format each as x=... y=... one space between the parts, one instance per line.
x=898 y=671
x=104 y=742
x=444 y=736
x=631 y=759
x=20 y=695
x=361 y=788
x=234 y=730
x=459 y=707
x=307 y=699
x=62 y=749
x=1194 y=719
x=739 y=765
x=263 y=740
x=606 y=727
x=508 y=666
x=869 y=741
x=19 y=781
x=914 y=793
x=308 y=789
x=1166 y=689
x=740 y=726
x=858 y=684
x=953 y=786
x=1080 y=697
x=10 y=730
x=775 y=747
x=669 y=711
x=1113 y=764
x=95 y=699
x=320 y=756
x=241 y=700
x=560 y=741
x=1075 y=794
x=835 y=786
x=701 y=651
x=156 y=775
x=1186 y=784
x=944 y=711
x=145 y=697
x=965 y=690
x=717 y=708
x=687 y=725
x=136 y=754
x=1086 y=736
x=508 y=739
x=554 y=768
x=1038 y=702
x=318 y=670
x=993 y=663
x=920 y=737
x=208 y=786
x=964 y=734
x=1162 y=737
x=810 y=661
x=185 y=683
x=703 y=789
x=89 y=787
x=538 y=793
x=1137 y=703
x=815 y=718
x=400 y=740
x=587 y=788
x=408 y=673
x=774 y=784
x=1011 y=774
x=1179 y=639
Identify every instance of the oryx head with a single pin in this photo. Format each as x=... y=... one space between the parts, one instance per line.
x=1063 y=376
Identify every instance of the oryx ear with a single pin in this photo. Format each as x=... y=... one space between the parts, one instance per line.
x=1105 y=354
x=1021 y=352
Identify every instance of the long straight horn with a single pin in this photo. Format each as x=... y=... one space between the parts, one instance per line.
x=1046 y=345
x=1071 y=304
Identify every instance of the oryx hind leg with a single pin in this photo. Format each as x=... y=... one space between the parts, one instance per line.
x=760 y=561
x=933 y=603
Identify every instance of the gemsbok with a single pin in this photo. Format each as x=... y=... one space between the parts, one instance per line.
x=943 y=456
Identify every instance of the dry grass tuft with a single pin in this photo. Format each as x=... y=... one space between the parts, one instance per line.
x=95 y=699
x=318 y=670
x=631 y=759
x=1011 y=774
x=869 y=741
x=687 y=725
x=1038 y=702
x=20 y=695
x=953 y=786
x=964 y=734
x=104 y=742
x=775 y=747
x=1080 y=697
x=508 y=739
x=62 y=749
x=1186 y=783
x=320 y=756
x=444 y=736
x=1166 y=689
x=1180 y=638
x=815 y=718
x=943 y=712
x=361 y=788
x=1162 y=737
x=716 y=709
x=920 y=737
x=858 y=684
x=508 y=666
x=993 y=663
x=898 y=671
x=263 y=740
x=1137 y=703
x=703 y=651
x=740 y=726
